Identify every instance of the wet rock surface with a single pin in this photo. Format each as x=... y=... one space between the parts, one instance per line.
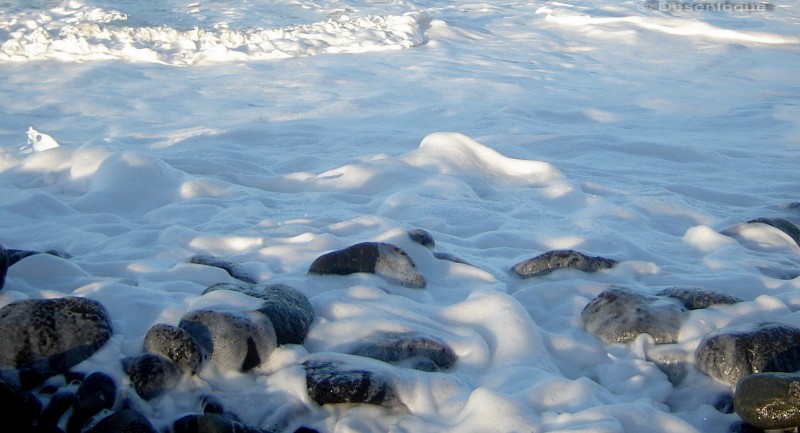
x=695 y=298
x=733 y=353
x=151 y=375
x=97 y=392
x=18 y=408
x=124 y=421
x=396 y=347
x=769 y=401
x=175 y=344
x=237 y=341
x=211 y=423
x=619 y=315
x=422 y=237
x=385 y=260
x=550 y=261
x=233 y=269
x=333 y=382
x=43 y=337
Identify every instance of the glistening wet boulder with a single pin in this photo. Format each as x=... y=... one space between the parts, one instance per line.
x=619 y=315
x=175 y=344
x=97 y=392
x=551 y=261
x=333 y=382
x=733 y=353
x=769 y=401
x=211 y=423
x=236 y=341
x=151 y=375
x=288 y=309
x=43 y=337
x=384 y=260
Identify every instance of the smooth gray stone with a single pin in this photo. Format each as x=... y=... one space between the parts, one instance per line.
x=151 y=375
x=769 y=401
x=695 y=298
x=177 y=345
x=394 y=347
x=384 y=260
x=733 y=353
x=619 y=315
x=422 y=237
x=550 y=261
x=333 y=382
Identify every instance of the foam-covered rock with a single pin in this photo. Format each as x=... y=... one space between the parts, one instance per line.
x=175 y=344
x=211 y=423
x=333 y=382
x=18 y=407
x=151 y=375
x=15 y=255
x=124 y=421
x=97 y=392
x=397 y=347
x=769 y=401
x=237 y=341
x=619 y=315
x=385 y=260
x=781 y=224
x=422 y=237
x=731 y=354
x=288 y=309
x=233 y=269
x=551 y=261
x=695 y=298
x=43 y=337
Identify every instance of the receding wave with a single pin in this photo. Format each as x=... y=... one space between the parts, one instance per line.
x=86 y=34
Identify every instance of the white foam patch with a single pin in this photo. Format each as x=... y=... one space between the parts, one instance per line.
x=75 y=32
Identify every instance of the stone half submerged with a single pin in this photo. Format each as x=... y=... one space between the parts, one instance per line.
x=382 y=259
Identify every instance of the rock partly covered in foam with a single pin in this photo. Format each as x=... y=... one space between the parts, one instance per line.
x=333 y=382
x=42 y=337
x=769 y=401
x=151 y=375
x=233 y=269
x=551 y=261
x=211 y=423
x=696 y=298
x=422 y=237
x=288 y=309
x=619 y=315
x=427 y=353
x=18 y=408
x=177 y=345
x=97 y=392
x=385 y=260
x=781 y=224
x=124 y=421
x=236 y=341
x=733 y=353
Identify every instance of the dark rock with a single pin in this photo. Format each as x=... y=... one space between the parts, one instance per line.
x=233 y=269
x=211 y=423
x=422 y=237
x=743 y=427
x=175 y=344
x=18 y=408
x=783 y=225
x=550 y=261
x=211 y=404
x=287 y=308
x=237 y=341
x=385 y=260
x=15 y=255
x=58 y=405
x=4 y=264
x=151 y=375
x=723 y=402
x=306 y=430
x=97 y=392
x=43 y=337
x=124 y=421
x=733 y=353
x=769 y=401
x=394 y=347
x=619 y=315
x=333 y=382
x=695 y=298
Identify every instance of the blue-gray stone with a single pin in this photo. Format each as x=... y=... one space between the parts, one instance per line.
x=550 y=261
x=384 y=260
x=177 y=345
x=395 y=347
x=233 y=269
x=695 y=298
x=151 y=375
x=333 y=382
x=769 y=401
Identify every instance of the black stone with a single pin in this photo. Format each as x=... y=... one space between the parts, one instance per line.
x=211 y=423
x=394 y=347
x=151 y=375
x=723 y=402
x=97 y=392
x=332 y=382
x=287 y=308
x=124 y=421
x=233 y=269
x=58 y=405
x=15 y=255
x=18 y=408
x=550 y=261
x=733 y=353
x=43 y=337
x=619 y=315
x=695 y=298
x=306 y=430
x=783 y=225
x=385 y=260
x=211 y=404
x=422 y=237
x=769 y=401
x=238 y=341
x=176 y=345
